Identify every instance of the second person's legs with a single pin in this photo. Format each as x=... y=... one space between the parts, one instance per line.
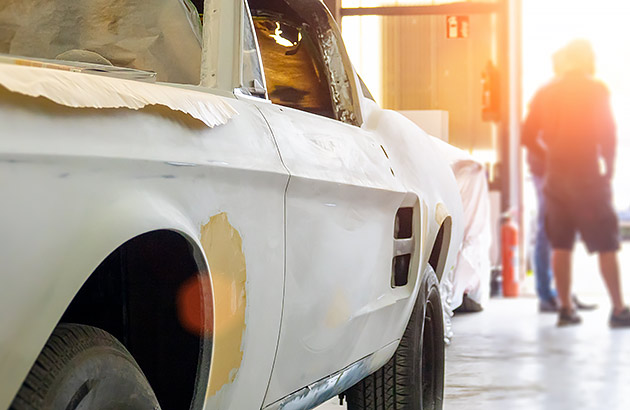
x=542 y=250
x=561 y=260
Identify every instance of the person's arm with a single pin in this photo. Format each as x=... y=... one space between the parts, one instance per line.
x=608 y=136
x=530 y=132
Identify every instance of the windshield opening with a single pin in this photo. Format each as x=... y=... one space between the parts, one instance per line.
x=161 y=36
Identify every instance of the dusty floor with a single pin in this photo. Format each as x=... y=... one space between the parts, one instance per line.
x=510 y=357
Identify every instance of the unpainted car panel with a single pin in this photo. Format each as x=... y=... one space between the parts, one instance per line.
x=106 y=176
x=316 y=393
x=341 y=203
x=340 y=305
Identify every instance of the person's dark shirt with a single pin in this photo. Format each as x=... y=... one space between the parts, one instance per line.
x=536 y=162
x=570 y=125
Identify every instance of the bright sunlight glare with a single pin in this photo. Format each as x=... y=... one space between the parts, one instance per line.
x=550 y=24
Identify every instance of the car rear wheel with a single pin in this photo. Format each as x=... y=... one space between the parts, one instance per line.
x=413 y=379
x=83 y=367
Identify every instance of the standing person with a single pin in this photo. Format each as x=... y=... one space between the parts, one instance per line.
x=547 y=295
x=570 y=125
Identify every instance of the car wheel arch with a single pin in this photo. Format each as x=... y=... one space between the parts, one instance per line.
x=132 y=227
x=140 y=293
x=440 y=248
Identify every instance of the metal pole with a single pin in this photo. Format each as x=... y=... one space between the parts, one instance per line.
x=510 y=66
x=511 y=106
x=335 y=9
x=510 y=127
x=506 y=126
x=515 y=23
x=516 y=110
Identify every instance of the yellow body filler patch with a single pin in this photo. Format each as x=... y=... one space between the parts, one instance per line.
x=223 y=247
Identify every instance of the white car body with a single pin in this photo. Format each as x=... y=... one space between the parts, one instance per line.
x=289 y=213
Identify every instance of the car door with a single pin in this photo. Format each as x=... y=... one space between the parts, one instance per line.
x=343 y=201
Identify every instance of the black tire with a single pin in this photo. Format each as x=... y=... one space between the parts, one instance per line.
x=84 y=368
x=413 y=379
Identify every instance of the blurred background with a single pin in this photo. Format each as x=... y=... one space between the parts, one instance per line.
x=465 y=71
x=409 y=62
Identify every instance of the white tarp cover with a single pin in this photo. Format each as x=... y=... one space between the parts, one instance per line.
x=81 y=90
x=163 y=36
x=471 y=274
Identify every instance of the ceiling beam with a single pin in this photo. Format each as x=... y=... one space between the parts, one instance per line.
x=442 y=9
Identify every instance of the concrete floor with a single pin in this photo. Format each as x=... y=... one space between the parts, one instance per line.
x=510 y=357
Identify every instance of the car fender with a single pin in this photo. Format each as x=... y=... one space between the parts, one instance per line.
x=78 y=183
x=39 y=297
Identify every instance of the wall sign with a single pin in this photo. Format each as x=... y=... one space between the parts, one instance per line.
x=457 y=26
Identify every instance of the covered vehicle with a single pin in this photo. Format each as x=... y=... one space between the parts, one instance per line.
x=471 y=274
x=213 y=217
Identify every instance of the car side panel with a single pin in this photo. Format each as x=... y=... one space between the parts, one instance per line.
x=342 y=200
x=77 y=183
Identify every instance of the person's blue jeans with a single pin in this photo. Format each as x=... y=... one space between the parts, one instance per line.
x=542 y=249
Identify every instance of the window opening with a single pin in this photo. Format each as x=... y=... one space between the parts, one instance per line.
x=199 y=6
x=295 y=75
x=161 y=36
x=327 y=51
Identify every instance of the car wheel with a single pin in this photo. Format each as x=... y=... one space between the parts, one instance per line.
x=83 y=367
x=413 y=379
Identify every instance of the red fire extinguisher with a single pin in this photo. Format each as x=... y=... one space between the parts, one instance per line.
x=510 y=256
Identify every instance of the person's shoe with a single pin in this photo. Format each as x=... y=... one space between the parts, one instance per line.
x=468 y=305
x=548 y=306
x=568 y=317
x=579 y=305
x=621 y=319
